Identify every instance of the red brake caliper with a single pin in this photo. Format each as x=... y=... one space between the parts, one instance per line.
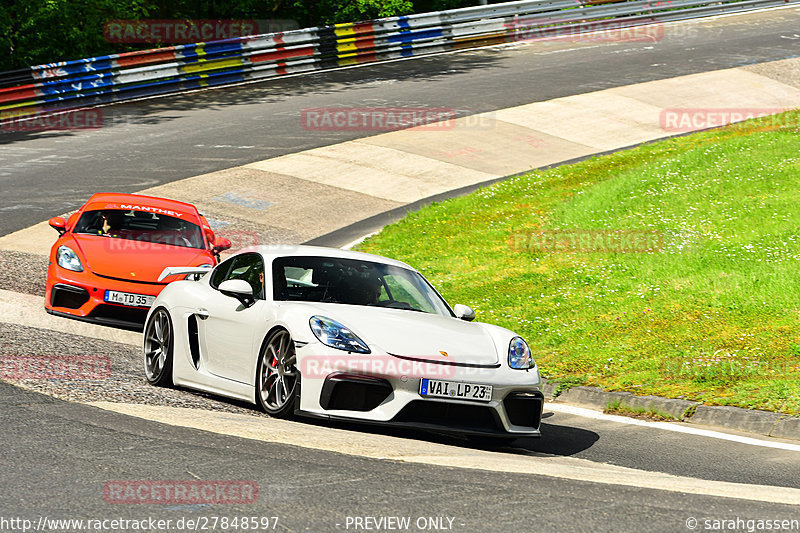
x=274 y=365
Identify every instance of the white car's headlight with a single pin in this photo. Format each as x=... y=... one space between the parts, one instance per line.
x=519 y=355
x=332 y=333
x=67 y=258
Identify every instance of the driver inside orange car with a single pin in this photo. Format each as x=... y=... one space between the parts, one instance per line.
x=112 y=220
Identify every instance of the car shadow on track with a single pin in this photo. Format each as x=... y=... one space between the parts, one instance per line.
x=556 y=439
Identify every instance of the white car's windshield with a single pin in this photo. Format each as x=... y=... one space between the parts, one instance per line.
x=354 y=282
x=141 y=226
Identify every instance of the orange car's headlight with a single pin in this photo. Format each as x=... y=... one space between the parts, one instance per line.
x=67 y=258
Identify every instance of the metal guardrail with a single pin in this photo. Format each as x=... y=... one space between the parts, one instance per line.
x=117 y=77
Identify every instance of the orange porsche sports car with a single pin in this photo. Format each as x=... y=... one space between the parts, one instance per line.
x=105 y=264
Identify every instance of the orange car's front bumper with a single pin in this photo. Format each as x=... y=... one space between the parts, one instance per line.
x=81 y=295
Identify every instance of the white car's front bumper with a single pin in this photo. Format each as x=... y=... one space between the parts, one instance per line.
x=382 y=388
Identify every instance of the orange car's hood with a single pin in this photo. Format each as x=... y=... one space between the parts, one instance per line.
x=134 y=260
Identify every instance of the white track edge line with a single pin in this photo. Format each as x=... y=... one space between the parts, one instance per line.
x=669 y=426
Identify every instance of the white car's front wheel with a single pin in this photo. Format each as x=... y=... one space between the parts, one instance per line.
x=277 y=377
x=158 y=346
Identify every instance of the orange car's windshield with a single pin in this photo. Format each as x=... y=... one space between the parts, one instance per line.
x=141 y=226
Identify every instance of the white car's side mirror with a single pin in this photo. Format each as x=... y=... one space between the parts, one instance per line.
x=464 y=312
x=239 y=289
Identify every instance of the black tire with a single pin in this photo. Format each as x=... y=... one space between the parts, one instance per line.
x=277 y=378
x=159 y=344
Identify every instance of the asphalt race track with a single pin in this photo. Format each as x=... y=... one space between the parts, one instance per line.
x=70 y=451
x=58 y=456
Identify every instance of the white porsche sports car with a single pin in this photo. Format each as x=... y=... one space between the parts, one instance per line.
x=337 y=334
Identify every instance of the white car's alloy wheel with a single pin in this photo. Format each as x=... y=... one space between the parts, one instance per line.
x=158 y=349
x=277 y=379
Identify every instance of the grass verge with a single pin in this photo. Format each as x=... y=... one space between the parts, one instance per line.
x=619 y=408
x=669 y=269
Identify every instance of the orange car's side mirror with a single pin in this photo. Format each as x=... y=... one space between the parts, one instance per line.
x=221 y=244
x=58 y=224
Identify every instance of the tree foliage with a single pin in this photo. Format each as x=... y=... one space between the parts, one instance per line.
x=43 y=31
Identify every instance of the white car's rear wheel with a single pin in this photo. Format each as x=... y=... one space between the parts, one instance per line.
x=158 y=346
x=277 y=377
